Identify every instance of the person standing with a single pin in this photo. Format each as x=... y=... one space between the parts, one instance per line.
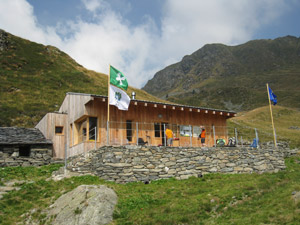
x=202 y=136
x=169 y=135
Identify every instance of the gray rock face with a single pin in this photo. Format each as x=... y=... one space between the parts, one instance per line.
x=87 y=204
x=296 y=196
x=3 y=40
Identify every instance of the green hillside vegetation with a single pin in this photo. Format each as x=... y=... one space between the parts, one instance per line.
x=213 y=199
x=286 y=122
x=34 y=80
x=233 y=77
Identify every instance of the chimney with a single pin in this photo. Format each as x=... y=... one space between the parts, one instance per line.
x=133 y=95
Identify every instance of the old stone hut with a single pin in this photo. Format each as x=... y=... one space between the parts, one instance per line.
x=24 y=147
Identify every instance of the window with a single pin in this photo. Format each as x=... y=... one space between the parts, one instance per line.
x=157 y=129
x=59 y=130
x=185 y=131
x=92 y=128
x=24 y=151
x=129 y=130
x=196 y=131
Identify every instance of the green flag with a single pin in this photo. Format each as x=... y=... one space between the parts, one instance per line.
x=117 y=78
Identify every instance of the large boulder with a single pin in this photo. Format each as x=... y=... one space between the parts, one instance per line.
x=87 y=204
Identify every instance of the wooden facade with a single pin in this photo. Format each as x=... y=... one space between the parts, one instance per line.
x=49 y=126
x=84 y=121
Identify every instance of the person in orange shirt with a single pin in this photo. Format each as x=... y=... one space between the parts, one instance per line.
x=202 y=137
x=169 y=135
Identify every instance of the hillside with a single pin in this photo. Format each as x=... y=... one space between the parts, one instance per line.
x=286 y=122
x=233 y=77
x=269 y=198
x=35 y=78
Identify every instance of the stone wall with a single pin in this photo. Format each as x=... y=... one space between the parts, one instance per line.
x=39 y=155
x=135 y=163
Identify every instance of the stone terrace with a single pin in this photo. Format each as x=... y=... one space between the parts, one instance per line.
x=124 y=164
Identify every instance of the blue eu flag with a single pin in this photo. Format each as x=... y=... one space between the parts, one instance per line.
x=273 y=97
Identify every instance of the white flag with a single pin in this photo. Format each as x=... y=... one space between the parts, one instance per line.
x=118 y=97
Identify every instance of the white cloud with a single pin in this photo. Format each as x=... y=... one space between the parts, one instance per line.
x=110 y=42
x=141 y=50
x=16 y=17
x=94 y=5
x=190 y=24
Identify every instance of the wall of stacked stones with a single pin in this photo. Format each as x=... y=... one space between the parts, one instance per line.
x=39 y=155
x=135 y=163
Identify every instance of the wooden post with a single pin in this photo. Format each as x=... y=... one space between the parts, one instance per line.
x=87 y=138
x=275 y=143
x=191 y=137
x=165 y=137
x=214 y=133
x=73 y=133
x=107 y=127
x=107 y=133
x=236 y=137
x=137 y=133
x=108 y=85
x=256 y=135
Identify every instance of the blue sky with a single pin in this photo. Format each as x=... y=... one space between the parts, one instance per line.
x=141 y=37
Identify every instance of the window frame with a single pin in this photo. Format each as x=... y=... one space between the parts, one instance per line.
x=59 y=133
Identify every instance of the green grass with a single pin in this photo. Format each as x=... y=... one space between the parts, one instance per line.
x=36 y=193
x=212 y=199
x=34 y=80
x=27 y=173
x=284 y=119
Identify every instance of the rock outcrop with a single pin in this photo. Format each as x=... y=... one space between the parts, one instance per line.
x=3 y=40
x=87 y=204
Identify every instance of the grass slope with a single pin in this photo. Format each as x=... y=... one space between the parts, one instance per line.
x=35 y=78
x=212 y=199
x=286 y=122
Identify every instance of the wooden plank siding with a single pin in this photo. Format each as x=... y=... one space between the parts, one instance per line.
x=47 y=126
x=147 y=115
x=79 y=108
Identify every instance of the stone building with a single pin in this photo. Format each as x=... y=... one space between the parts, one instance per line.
x=24 y=147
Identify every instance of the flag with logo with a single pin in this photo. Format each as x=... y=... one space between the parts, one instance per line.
x=117 y=78
x=273 y=97
x=117 y=96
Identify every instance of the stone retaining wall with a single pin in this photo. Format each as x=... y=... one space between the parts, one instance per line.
x=135 y=163
x=39 y=155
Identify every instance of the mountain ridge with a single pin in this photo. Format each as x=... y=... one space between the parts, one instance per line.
x=216 y=75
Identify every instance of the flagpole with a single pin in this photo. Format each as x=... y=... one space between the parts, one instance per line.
x=108 y=86
x=275 y=143
x=107 y=124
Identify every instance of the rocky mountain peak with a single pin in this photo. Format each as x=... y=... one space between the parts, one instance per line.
x=217 y=74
